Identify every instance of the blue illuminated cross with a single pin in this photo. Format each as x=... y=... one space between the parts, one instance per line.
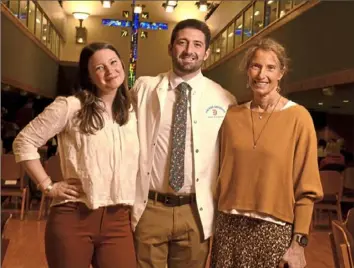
x=135 y=25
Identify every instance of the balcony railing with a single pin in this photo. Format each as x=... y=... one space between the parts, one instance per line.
x=37 y=22
x=255 y=17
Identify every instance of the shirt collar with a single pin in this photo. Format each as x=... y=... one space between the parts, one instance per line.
x=175 y=80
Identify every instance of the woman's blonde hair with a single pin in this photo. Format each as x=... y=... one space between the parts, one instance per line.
x=266 y=44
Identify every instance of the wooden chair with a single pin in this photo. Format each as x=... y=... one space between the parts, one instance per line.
x=332 y=184
x=348 y=185
x=343 y=245
x=13 y=182
x=334 y=250
x=5 y=218
x=349 y=223
x=52 y=167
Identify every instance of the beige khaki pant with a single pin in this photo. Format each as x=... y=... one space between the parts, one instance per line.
x=170 y=236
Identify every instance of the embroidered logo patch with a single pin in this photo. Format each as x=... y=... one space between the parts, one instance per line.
x=215 y=112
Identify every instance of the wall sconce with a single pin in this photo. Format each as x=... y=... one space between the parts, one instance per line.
x=81 y=15
x=203 y=5
x=107 y=4
x=81 y=32
x=169 y=6
x=81 y=35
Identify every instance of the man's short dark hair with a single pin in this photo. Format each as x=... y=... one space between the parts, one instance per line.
x=193 y=24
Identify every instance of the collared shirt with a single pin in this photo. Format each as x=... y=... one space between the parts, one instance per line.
x=160 y=173
x=209 y=103
x=106 y=163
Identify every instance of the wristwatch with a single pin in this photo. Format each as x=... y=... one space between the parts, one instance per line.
x=301 y=239
x=48 y=188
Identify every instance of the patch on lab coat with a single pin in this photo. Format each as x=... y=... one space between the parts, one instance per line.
x=215 y=112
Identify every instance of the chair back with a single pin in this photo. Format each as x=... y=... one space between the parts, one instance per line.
x=342 y=245
x=349 y=178
x=349 y=223
x=5 y=217
x=53 y=168
x=332 y=183
x=10 y=170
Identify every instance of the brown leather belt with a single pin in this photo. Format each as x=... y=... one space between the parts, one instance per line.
x=170 y=200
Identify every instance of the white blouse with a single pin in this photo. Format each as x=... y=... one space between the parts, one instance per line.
x=106 y=162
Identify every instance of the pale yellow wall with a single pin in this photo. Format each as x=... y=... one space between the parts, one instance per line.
x=152 y=52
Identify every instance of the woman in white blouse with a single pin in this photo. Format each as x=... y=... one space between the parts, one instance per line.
x=98 y=146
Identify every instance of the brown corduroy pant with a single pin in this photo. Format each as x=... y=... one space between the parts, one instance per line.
x=77 y=236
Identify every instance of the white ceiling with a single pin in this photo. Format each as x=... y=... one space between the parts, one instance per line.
x=184 y=10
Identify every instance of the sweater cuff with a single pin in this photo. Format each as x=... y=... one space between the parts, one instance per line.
x=303 y=217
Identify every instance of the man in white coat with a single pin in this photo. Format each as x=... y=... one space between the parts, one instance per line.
x=179 y=116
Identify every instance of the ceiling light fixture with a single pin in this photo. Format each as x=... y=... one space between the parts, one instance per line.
x=269 y=2
x=328 y=91
x=203 y=5
x=107 y=4
x=169 y=6
x=320 y=103
x=345 y=101
x=138 y=9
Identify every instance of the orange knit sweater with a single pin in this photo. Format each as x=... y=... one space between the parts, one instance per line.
x=280 y=177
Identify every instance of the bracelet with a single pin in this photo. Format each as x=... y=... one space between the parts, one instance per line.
x=40 y=184
x=48 y=189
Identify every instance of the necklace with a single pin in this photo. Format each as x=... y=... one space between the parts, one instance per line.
x=260 y=133
x=260 y=115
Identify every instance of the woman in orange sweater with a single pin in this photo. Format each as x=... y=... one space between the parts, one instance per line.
x=269 y=177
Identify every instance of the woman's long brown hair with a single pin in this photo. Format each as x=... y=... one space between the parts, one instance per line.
x=90 y=117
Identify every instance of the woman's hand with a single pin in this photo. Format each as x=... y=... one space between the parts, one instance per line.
x=295 y=256
x=68 y=189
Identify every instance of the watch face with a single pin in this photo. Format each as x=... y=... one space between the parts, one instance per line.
x=304 y=241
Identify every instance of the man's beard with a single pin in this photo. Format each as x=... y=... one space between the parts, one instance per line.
x=187 y=68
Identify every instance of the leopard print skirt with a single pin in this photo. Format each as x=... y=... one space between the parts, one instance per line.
x=244 y=242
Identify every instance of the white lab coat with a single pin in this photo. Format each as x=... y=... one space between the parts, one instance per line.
x=209 y=103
